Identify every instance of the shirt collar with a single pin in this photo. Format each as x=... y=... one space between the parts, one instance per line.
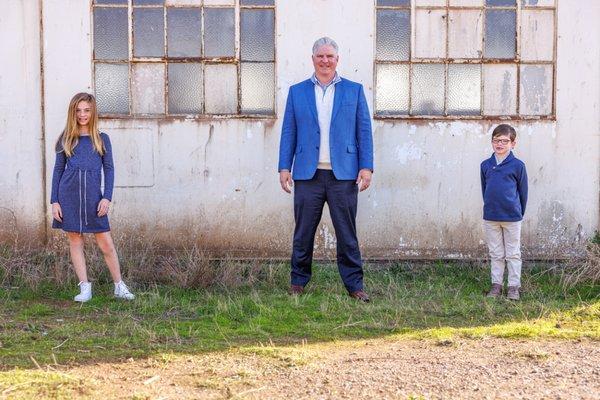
x=336 y=79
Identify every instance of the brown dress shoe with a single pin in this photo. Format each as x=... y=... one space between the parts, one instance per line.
x=296 y=289
x=360 y=295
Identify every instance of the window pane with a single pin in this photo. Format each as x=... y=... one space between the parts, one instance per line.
x=219 y=32
x=110 y=34
x=147 y=2
x=184 y=2
x=438 y=3
x=219 y=2
x=257 y=2
x=465 y=34
x=112 y=88
x=500 y=33
x=258 y=88
x=392 y=89
x=464 y=89
x=185 y=88
x=500 y=89
x=427 y=90
x=148 y=32
x=257 y=35
x=393 y=35
x=501 y=3
x=537 y=35
x=111 y=2
x=535 y=90
x=221 y=88
x=393 y=2
x=430 y=27
x=183 y=32
x=148 y=88
x=538 y=3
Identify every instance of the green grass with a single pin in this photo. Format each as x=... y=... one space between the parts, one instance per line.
x=438 y=301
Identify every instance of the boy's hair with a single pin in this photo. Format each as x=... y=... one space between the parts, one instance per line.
x=505 y=130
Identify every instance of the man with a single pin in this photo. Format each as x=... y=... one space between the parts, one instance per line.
x=326 y=135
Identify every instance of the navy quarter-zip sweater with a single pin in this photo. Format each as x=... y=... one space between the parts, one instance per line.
x=504 y=188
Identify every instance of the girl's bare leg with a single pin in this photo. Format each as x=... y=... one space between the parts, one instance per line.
x=107 y=247
x=77 y=256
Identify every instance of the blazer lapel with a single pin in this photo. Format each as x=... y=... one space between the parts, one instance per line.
x=311 y=100
x=337 y=99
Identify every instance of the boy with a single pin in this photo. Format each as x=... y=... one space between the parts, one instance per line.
x=504 y=188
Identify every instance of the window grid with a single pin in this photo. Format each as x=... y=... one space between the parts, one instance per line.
x=519 y=7
x=165 y=60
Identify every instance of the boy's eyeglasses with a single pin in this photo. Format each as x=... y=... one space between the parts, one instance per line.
x=501 y=141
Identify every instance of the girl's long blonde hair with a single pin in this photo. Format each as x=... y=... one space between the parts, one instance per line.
x=70 y=135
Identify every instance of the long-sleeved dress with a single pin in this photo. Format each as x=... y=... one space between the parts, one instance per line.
x=76 y=186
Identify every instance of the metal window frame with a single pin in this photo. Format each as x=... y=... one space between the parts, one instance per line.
x=165 y=60
x=482 y=60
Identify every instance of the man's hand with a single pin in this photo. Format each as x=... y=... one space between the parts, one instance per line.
x=56 y=212
x=285 y=179
x=364 y=179
x=103 y=207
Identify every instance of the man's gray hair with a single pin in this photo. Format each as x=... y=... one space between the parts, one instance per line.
x=324 y=41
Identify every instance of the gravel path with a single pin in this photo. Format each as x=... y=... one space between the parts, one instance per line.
x=374 y=369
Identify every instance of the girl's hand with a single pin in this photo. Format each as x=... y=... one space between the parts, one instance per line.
x=103 y=207
x=56 y=212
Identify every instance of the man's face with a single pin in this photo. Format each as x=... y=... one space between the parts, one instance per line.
x=325 y=60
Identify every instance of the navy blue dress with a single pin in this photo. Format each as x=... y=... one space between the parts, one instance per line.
x=76 y=186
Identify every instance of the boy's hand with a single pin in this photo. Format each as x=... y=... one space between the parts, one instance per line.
x=285 y=180
x=103 y=207
x=364 y=179
x=56 y=212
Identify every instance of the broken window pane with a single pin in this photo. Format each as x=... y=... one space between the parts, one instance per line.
x=148 y=32
x=392 y=89
x=219 y=32
x=393 y=2
x=393 y=35
x=183 y=32
x=464 y=89
x=465 y=34
x=537 y=3
x=185 y=88
x=427 y=91
x=430 y=33
x=537 y=35
x=500 y=89
x=110 y=34
x=430 y=3
x=257 y=35
x=535 y=90
x=257 y=80
x=257 y=2
x=221 y=88
x=500 y=33
x=112 y=88
x=500 y=3
x=148 y=88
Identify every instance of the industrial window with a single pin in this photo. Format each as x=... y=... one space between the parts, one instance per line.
x=184 y=57
x=448 y=59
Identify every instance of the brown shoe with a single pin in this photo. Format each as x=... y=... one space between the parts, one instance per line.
x=360 y=295
x=296 y=289
x=495 y=291
x=513 y=293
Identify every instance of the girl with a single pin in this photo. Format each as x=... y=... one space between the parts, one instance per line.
x=78 y=205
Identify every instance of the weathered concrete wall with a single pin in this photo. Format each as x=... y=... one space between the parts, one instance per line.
x=214 y=182
x=21 y=166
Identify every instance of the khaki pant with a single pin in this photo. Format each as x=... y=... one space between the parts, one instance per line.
x=504 y=242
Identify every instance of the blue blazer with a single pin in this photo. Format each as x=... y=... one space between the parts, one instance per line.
x=350 y=137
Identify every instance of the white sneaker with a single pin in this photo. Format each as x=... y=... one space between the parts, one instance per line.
x=85 y=292
x=122 y=291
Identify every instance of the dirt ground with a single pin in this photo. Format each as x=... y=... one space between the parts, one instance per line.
x=375 y=369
